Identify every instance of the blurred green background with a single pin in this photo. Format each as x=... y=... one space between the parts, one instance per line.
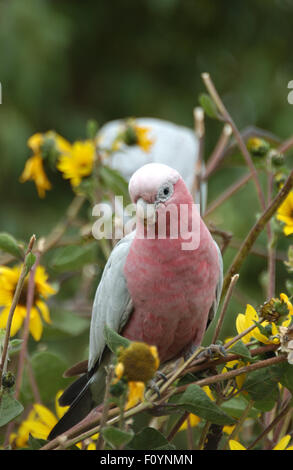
x=64 y=62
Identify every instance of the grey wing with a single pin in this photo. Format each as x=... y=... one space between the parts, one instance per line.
x=112 y=303
x=214 y=307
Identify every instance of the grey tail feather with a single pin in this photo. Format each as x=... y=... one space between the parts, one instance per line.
x=78 y=410
x=73 y=390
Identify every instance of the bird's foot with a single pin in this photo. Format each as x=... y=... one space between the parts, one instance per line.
x=153 y=383
x=161 y=376
x=212 y=351
x=154 y=387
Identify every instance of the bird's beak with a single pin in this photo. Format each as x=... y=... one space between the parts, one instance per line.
x=146 y=212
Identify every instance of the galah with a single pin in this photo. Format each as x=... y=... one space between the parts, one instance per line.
x=173 y=145
x=152 y=289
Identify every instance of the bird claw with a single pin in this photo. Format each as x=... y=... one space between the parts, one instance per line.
x=161 y=376
x=212 y=351
x=154 y=387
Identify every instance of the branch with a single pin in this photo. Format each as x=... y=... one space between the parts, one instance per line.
x=256 y=230
x=19 y=286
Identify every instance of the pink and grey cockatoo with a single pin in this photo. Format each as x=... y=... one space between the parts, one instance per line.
x=151 y=290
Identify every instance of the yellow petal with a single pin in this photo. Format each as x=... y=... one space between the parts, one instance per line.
x=234 y=445
x=44 y=310
x=91 y=446
x=17 y=319
x=282 y=444
x=135 y=393
x=60 y=410
x=36 y=326
x=35 y=142
x=46 y=416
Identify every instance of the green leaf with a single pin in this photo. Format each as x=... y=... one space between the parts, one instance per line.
x=66 y=323
x=242 y=350
x=9 y=408
x=10 y=245
x=208 y=105
x=287 y=377
x=114 y=340
x=196 y=401
x=30 y=261
x=149 y=439
x=117 y=437
x=263 y=383
x=35 y=444
x=48 y=369
x=236 y=406
x=114 y=181
x=73 y=258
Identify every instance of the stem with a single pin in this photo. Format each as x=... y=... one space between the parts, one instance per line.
x=106 y=407
x=233 y=373
x=280 y=416
x=199 y=129
x=227 y=194
x=218 y=152
x=271 y=246
x=29 y=304
x=57 y=233
x=256 y=230
x=177 y=426
x=234 y=279
x=241 y=420
x=15 y=300
x=220 y=105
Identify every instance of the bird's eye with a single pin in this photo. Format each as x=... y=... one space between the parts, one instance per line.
x=165 y=192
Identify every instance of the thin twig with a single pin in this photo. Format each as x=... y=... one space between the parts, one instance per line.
x=106 y=407
x=233 y=281
x=19 y=286
x=227 y=194
x=271 y=246
x=29 y=305
x=216 y=156
x=199 y=129
x=280 y=416
x=220 y=105
x=58 y=231
x=256 y=230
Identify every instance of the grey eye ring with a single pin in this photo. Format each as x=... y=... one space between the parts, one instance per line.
x=165 y=192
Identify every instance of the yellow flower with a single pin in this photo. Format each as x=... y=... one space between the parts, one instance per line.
x=285 y=214
x=39 y=423
x=244 y=321
x=133 y=134
x=34 y=171
x=143 y=139
x=36 y=141
x=282 y=444
x=78 y=162
x=8 y=281
x=137 y=364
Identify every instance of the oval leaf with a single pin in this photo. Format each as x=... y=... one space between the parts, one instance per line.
x=114 y=340
x=196 y=401
x=9 y=408
x=117 y=437
x=10 y=245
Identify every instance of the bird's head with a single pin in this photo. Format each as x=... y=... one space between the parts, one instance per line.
x=155 y=187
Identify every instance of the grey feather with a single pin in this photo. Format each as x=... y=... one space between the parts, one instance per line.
x=112 y=303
